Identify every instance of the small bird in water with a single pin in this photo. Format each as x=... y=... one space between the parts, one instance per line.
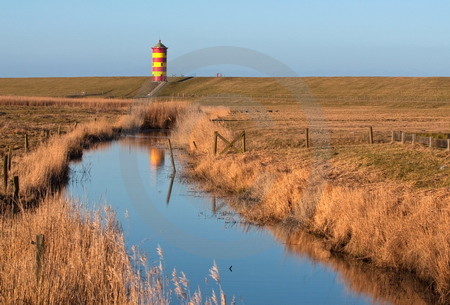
x=230 y=268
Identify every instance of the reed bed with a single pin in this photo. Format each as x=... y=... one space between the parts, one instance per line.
x=84 y=262
x=391 y=224
x=153 y=115
x=99 y=103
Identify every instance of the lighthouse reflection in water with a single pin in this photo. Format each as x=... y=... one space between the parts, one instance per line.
x=156 y=158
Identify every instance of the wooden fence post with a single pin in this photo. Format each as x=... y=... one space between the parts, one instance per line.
x=413 y=138
x=370 y=135
x=171 y=156
x=307 y=137
x=5 y=172
x=40 y=246
x=9 y=158
x=169 y=191
x=243 y=141
x=403 y=137
x=448 y=144
x=16 y=188
x=26 y=142
x=75 y=125
x=430 y=142
x=215 y=142
x=393 y=136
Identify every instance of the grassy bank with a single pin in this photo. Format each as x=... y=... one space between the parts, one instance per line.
x=384 y=204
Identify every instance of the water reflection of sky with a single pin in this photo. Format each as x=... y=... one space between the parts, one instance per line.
x=134 y=176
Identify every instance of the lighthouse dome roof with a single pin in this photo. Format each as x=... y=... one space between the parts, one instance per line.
x=160 y=45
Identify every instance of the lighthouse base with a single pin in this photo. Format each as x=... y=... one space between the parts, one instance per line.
x=159 y=78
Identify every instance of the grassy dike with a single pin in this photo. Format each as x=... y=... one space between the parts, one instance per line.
x=353 y=201
x=84 y=258
x=328 y=90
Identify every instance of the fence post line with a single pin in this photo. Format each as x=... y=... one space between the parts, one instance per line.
x=243 y=141
x=403 y=137
x=215 y=142
x=392 y=136
x=448 y=144
x=413 y=138
x=5 y=172
x=40 y=246
x=430 y=141
x=307 y=137
x=171 y=155
x=26 y=142
x=370 y=135
x=16 y=188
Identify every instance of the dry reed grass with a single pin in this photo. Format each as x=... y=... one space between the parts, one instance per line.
x=153 y=115
x=389 y=223
x=99 y=103
x=392 y=227
x=196 y=131
x=47 y=167
x=84 y=262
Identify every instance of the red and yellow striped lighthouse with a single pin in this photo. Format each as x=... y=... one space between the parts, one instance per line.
x=159 y=63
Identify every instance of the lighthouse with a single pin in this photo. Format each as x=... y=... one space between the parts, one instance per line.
x=159 y=63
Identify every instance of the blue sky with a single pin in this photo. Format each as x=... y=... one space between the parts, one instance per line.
x=314 y=38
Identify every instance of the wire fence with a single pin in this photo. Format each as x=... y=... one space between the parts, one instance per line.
x=432 y=140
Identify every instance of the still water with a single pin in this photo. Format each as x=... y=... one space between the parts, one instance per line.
x=257 y=265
